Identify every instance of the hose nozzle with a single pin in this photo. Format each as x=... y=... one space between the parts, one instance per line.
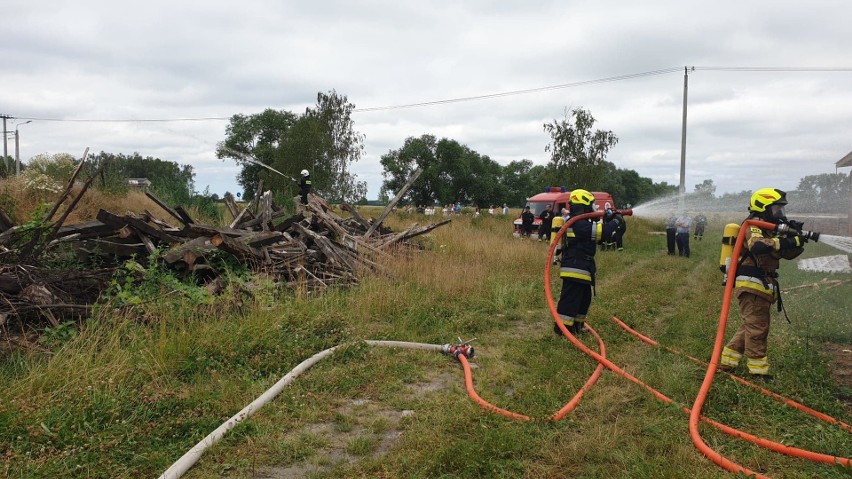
x=810 y=236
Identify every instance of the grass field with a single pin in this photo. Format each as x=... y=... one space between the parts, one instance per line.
x=132 y=392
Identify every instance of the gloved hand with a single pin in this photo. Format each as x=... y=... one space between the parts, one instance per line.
x=796 y=241
x=796 y=225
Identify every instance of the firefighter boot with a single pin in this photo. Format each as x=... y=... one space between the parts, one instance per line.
x=578 y=328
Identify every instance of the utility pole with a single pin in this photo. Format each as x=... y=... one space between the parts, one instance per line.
x=682 y=187
x=5 y=148
x=18 y=147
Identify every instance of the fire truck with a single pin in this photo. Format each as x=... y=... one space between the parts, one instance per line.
x=557 y=197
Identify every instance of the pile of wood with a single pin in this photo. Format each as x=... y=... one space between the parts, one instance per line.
x=315 y=248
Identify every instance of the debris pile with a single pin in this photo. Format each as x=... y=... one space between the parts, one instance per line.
x=312 y=249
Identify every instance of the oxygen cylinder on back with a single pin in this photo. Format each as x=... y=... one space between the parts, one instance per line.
x=729 y=238
x=558 y=221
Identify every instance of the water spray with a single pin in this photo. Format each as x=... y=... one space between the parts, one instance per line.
x=245 y=157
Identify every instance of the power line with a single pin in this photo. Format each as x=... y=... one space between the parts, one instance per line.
x=630 y=76
x=522 y=92
x=133 y=120
x=777 y=69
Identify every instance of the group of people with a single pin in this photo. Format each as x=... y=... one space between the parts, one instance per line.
x=614 y=241
x=755 y=285
x=677 y=232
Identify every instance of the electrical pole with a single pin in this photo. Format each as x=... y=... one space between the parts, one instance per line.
x=5 y=148
x=682 y=187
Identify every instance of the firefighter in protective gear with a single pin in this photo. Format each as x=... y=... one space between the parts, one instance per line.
x=619 y=227
x=305 y=186
x=756 y=285
x=578 y=263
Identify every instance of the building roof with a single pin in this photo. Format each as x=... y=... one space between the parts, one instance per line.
x=845 y=161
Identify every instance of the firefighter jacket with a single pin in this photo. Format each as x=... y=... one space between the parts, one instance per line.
x=757 y=270
x=305 y=185
x=578 y=250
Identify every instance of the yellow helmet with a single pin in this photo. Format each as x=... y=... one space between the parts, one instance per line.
x=581 y=197
x=765 y=197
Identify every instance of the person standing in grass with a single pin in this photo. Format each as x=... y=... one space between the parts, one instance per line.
x=527 y=219
x=756 y=284
x=682 y=235
x=546 y=218
x=578 y=268
x=671 y=231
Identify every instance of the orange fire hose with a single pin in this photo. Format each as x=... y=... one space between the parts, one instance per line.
x=559 y=415
x=819 y=415
x=694 y=417
x=701 y=397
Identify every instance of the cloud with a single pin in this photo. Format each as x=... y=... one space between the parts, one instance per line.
x=156 y=60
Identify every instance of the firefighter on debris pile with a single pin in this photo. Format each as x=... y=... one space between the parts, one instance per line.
x=577 y=248
x=305 y=186
x=756 y=284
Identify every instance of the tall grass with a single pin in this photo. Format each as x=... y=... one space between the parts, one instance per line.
x=131 y=392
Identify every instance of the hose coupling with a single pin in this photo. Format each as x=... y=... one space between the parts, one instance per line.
x=462 y=348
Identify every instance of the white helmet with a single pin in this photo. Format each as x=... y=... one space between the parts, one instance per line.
x=305 y=173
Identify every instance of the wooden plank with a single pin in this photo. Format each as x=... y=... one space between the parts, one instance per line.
x=86 y=230
x=393 y=203
x=5 y=221
x=148 y=230
x=243 y=252
x=355 y=215
x=185 y=218
x=197 y=246
x=196 y=230
x=232 y=206
x=68 y=187
x=174 y=214
x=263 y=238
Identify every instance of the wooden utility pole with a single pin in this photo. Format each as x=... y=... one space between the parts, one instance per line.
x=682 y=187
x=5 y=147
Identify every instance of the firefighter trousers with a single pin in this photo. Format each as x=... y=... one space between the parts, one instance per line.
x=750 y=338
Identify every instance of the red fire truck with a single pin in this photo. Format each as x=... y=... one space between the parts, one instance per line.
x=557 y=197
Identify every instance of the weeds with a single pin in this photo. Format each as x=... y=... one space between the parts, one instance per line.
x=125 y=398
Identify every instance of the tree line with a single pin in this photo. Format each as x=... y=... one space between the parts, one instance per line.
x=273 y=146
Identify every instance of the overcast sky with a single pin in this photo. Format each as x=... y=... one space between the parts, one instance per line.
x=113 y=60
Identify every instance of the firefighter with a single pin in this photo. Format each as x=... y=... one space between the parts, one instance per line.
x=305 y=186
x=700 y=223
x=756 y=284
x=578 y=263
x=619 y=226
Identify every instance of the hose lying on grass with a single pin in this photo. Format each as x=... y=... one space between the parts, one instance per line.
x=695 y=412
x=790 y=402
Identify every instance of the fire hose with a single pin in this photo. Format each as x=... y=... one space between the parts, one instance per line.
x=819 y=415
x=695 y=412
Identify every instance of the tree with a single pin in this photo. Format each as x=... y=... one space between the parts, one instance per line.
x=322 y=140
x=172 y=182
x=256 y=139
x=828 y=192
x=705 y=188
x=577 y=152
x=451 y=172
